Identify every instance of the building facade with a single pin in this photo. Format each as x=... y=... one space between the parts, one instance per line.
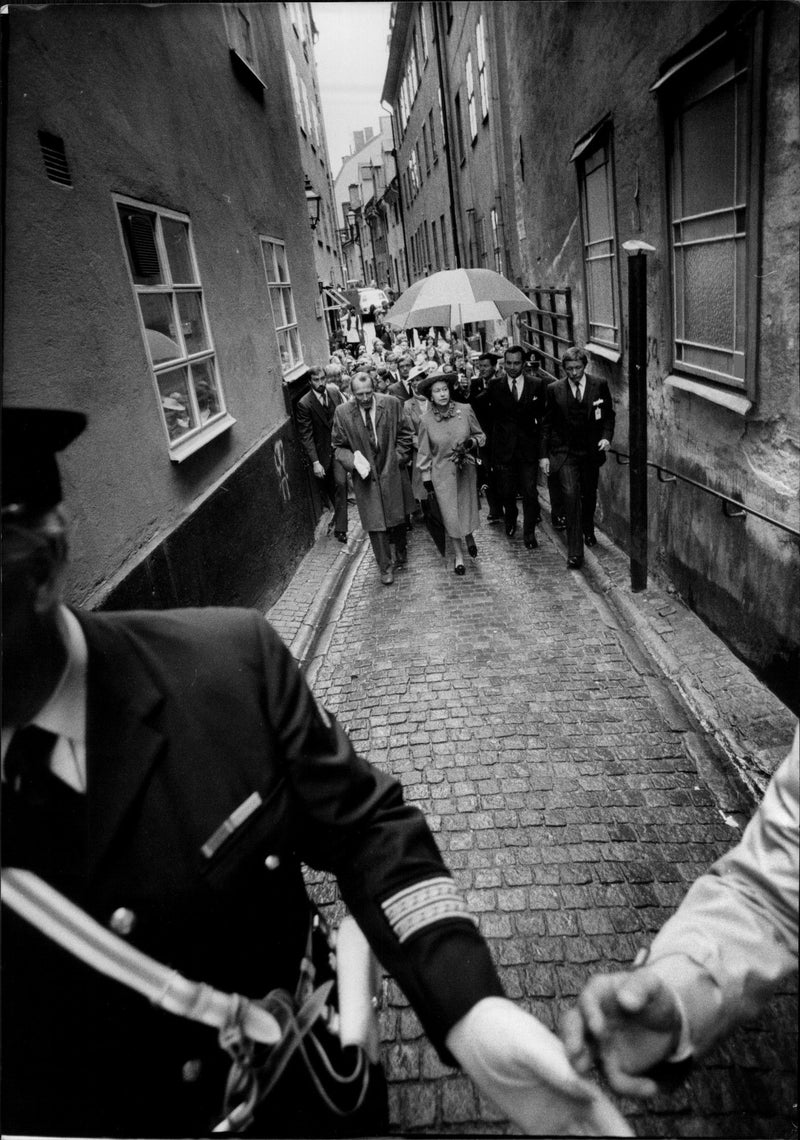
x=160 y=276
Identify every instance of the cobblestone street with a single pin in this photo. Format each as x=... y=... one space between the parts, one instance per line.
x=558 y=775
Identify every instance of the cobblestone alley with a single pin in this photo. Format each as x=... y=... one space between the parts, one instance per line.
x=555 y=774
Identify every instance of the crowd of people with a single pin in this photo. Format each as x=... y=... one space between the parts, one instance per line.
x=471 y=429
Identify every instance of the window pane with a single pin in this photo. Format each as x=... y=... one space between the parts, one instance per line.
x=601 y=292
x=138 y=229
x=294 y=342
x=205 y=389
x=708 y=274
x=174 y=390
x=159 y=328
x=598 y=220
x=708 y=153
x=282 y=271
x=192 y=323
x=176 y=239
x=278 y=310
x=269 y=260
x=283 y=348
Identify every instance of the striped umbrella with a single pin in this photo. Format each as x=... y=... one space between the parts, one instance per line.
x=454 y=297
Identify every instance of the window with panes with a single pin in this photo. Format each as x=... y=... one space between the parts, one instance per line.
x=432 y=133
x=498 y=254
x=473 y=116
x=598 y=227
x=281 y=301
x=714 y=168
x=483 y=85
x=166 y=281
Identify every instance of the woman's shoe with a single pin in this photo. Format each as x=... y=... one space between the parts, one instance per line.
x=472 y=550
x=459 y=569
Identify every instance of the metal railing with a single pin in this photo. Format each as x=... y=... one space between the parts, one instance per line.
x=732 y=508
x=546 y=329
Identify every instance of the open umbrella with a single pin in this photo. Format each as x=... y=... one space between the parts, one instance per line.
x=454 y=297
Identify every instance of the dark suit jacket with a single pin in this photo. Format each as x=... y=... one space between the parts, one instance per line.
x=192 y=714
x=399 y=391
x=599 y=412
x=314 y=424
x=515 y=425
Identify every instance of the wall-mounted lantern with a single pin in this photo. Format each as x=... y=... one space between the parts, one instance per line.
x=313 y=201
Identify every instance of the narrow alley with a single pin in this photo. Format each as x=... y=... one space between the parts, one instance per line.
x=555 y=766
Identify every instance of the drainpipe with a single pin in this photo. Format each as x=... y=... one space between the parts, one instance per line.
x=446 y=120
x=637 y=407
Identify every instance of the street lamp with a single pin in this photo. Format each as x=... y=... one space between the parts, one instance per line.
x=313 y=201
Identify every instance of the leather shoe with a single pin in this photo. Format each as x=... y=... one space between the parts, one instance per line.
x=511 y=529
x=531 y=542
x=590 y=539
x=400 y=558
x=387 y=577
x=574 y=563
x=459 y=569
x=559 y=522
x=472 y=550
x=341 y=535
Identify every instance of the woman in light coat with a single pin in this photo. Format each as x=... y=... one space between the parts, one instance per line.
x=448 y=441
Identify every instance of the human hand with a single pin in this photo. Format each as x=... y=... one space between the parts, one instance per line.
x=318 y=470
x=544 y=465
x=522 y=1068
x=603 y=445
x=628 y=1022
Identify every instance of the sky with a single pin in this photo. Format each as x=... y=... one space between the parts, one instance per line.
x=352 y=54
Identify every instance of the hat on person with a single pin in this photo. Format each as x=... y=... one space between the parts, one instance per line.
x=424 y=386
x=31 y=438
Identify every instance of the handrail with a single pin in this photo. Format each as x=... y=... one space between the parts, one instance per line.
x=623 y=459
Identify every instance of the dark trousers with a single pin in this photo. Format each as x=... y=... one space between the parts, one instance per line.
x=334 y=484
x=513 y=477
x=488 y=479
x=382 y=540
x=578 y=480
x=556 y=498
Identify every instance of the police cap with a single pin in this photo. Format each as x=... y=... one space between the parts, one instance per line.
x=31 y=438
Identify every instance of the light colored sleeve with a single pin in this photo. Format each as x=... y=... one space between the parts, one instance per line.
x=424 y=457
x=733 y=939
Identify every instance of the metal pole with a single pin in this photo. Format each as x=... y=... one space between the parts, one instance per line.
x=637 y=409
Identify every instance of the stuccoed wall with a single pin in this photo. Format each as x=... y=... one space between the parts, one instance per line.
x=148 y=106
x=569 y=65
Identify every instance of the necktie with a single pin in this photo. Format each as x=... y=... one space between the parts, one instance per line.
x=373 y=439
x=578 y=393
x=26 y=760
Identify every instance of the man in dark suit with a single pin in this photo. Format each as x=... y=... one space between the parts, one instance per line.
x=579 y=427
x=314 y=422
x=514 y=405
x=401 y=389
x=167 y=773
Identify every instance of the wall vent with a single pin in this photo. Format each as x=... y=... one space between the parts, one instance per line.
x=55 y=159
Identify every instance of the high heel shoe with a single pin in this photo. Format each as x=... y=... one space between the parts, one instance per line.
x=472 y=550
x=459 y=569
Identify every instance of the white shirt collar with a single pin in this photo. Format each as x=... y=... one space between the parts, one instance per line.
x=65 y=711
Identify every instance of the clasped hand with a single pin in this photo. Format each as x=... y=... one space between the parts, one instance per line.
x=627 y=1023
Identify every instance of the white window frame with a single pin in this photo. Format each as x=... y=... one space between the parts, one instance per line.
x=482 y=80
x=293 y=366
x=473 y=114
x=599 y=249
x=205 y=429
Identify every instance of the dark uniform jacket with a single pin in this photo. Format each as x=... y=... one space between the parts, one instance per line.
x=515 y=425
x=314 y=424
x=192 y=714
x=600 y=415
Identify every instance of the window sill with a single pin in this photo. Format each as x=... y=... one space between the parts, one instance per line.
x=295 y=373
x=611 y=354
x=188 y=447
x=247 y=75
x=733 y=401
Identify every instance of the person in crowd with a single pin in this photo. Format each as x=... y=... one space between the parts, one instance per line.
x=462 y=389
x=579 y=427
x=382 y=331
x=378 y=353
x=373 y=442
x=402 y=387
x=383 y=379
x=166 y=773
x=713 y=965
x=351 y=327
x=314 y=422
x=515 y=406
x=449 y=438
x=487 y=373
x=368 y=326
x=414 y=409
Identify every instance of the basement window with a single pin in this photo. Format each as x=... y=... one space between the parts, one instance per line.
x=174 y=325
x=55 y=159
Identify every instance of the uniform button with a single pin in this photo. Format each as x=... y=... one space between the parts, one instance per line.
x=122 y=921
x=272 y=862
x=191 y=1071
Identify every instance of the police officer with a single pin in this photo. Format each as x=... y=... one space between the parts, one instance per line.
x=167 y=772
